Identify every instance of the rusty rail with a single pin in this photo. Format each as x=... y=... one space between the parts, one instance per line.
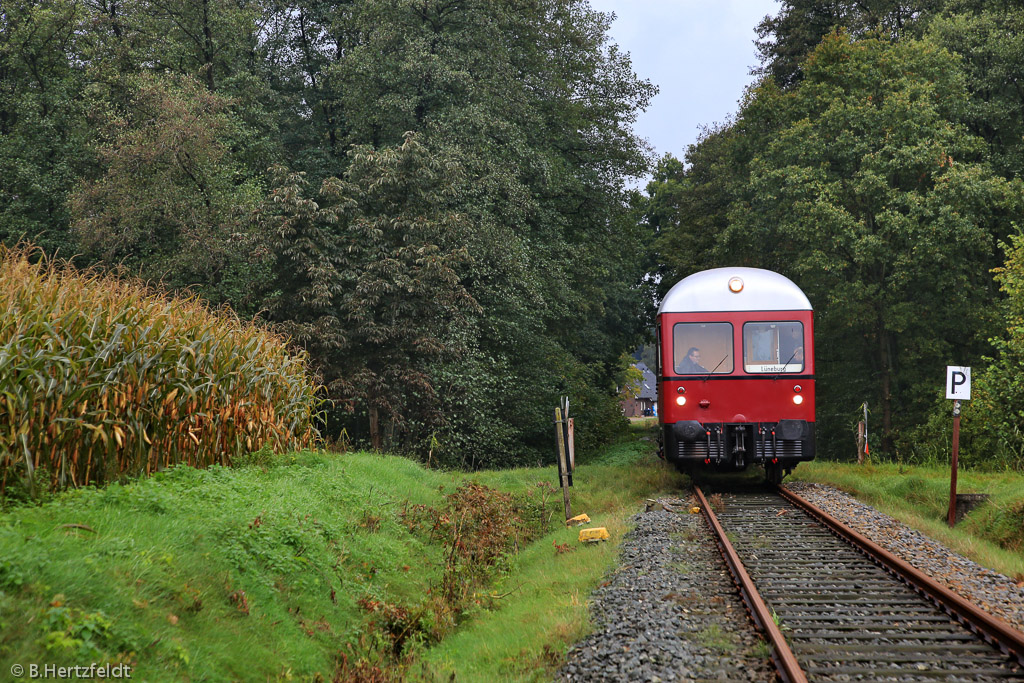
x=782 y=655
x=993 y=629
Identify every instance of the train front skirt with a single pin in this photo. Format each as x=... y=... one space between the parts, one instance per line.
x=734 y=446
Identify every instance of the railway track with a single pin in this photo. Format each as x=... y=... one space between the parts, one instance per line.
x=836 y=607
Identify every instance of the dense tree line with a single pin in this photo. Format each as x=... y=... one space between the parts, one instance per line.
x=431 y=196
x=877 y=162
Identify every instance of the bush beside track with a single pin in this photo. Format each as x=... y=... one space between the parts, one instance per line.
x=101 y=379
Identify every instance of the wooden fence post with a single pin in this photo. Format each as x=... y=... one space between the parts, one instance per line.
x=563 y=462
x=860 y=442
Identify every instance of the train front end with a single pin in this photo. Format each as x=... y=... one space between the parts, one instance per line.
x=736 y=372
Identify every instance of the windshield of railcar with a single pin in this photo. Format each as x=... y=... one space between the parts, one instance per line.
x=700 y=348
x=774 y=347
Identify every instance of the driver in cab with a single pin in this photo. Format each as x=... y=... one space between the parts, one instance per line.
x=691 y=364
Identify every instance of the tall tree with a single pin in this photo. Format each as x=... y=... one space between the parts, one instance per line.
x=369 y=280
x=407 y=299
x=536 y=106
x=882 y=204
x=43 y=133
x=990 y=39
x=167 y=204
x=785 y=40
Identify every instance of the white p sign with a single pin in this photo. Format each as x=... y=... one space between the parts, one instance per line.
x=958 y=383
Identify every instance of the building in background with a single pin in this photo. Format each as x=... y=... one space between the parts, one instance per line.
x=645 y=402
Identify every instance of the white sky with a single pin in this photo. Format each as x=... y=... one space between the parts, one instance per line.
x=698 y=52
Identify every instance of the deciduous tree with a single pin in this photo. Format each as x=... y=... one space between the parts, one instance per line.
x=990 y=40
x=786 y=39
x=883 y=207
x=43 y=134
x=168 y=204
x=367 y=278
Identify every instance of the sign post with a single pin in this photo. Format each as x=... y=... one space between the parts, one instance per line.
x=958 y=388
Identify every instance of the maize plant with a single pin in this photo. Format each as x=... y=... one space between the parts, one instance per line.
x=102 y=379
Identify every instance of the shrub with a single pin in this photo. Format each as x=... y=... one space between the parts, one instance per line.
x=100 y=378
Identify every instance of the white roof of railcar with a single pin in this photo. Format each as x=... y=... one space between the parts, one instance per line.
x=708 y=290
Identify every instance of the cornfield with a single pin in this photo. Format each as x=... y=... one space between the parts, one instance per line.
x=102 y=379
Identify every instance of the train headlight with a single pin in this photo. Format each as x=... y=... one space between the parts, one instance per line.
x=681 y=400
x=735 y=285
x=798 y=399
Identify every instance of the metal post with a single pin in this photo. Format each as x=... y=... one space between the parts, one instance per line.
x=570 y=447
x=956 y=452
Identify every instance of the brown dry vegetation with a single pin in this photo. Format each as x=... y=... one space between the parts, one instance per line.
x=101 y=378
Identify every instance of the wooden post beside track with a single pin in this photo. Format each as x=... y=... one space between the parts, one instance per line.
x=563 y=462
x=861 y=439
x=956 y=452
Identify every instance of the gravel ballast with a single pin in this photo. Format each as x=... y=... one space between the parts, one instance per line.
x=670 y=611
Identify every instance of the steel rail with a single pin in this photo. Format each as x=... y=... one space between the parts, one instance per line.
x=785 y=661
x=996 y=631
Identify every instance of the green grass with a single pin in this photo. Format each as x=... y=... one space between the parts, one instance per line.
x=992 y=535
x=761 y=650
x=715 y=638
x=212 y=574
x=264 y=572
x=523 y=637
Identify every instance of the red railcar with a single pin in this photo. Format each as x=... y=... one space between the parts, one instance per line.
x=736 y=372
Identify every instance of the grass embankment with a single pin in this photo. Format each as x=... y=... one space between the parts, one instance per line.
x=549 y=582
x=991 y=535
x=314 y=567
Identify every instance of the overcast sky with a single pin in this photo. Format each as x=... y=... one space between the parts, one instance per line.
x=698 y=52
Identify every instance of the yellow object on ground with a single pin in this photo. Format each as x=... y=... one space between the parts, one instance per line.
x=578 y=519
x=694 y=510
x=593 y=535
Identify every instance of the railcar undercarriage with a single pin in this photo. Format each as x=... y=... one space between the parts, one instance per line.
x=732 y=447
